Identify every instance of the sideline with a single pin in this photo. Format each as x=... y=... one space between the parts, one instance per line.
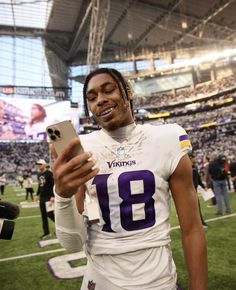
x=32 y=255
x=62 y=249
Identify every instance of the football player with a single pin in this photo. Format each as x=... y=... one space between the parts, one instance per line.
x=128 y=170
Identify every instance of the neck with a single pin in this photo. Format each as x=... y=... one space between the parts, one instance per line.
x=122 y=133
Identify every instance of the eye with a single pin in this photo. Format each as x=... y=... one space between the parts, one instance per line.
x=91 y=98
x=109 y=88
x=108 y=91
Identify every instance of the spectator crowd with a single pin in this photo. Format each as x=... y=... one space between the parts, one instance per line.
x=212 y=132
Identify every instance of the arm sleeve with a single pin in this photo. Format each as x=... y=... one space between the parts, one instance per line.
x=70 y=228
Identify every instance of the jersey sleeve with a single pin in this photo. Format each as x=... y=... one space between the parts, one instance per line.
x=179 y=145
x=70 y=228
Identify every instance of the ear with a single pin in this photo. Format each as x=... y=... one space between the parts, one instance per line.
x=130 y=91
x=127 y=103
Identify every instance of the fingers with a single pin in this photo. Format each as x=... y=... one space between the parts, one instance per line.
x=75 y=167
x=66 y=152
x=77 y=179
x=71 y=173
x=81 y=169
x=83 y=160
x=68 y=184
x=70 y=164
x=65 y=155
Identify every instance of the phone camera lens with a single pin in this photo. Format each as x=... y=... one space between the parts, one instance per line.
x=50 y=131
x=57 y=133
x=53 y=137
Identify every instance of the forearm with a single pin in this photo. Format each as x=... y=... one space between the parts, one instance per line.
x=70 y=227
x=196 y=259
x=193 y=237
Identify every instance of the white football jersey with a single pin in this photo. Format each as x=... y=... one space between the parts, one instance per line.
x=36 y=131
x=132 y=187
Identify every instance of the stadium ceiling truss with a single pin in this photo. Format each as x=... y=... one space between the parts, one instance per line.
x=89 y=32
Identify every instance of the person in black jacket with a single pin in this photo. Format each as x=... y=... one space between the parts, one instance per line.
x=197 y=180
x=219 y=177
x=232 y=168
x=45 y=193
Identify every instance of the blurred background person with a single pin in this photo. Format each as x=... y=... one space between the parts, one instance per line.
x=207 y=179
x=35 y=129
x=219 y=178
x=20 y=179
x=45 y=193
x=28 y=185
x=227 y=171
x=232 y=168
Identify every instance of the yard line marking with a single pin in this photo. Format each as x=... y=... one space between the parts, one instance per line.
x=28 y=217
x=32 y=255
x=210 y=220
x=222 y=217
x=174 y=228
x=63 y=249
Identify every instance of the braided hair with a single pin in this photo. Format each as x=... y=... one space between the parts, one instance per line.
x=122 y=83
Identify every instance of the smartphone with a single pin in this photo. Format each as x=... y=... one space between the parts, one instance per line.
x=60 y=134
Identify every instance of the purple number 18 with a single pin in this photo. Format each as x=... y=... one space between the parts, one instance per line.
x=128 y=199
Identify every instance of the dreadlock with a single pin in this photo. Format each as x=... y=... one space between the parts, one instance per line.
x=118 y=78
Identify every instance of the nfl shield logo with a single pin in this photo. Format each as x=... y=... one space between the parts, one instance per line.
x=121 y=151
x=91 y=285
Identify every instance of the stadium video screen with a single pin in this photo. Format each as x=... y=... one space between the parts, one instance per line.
x=27 y=118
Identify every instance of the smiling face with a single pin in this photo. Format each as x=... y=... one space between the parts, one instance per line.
x=37 y=113
x=109 y=108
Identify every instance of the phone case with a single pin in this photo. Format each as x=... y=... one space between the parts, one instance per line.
x=60 y=134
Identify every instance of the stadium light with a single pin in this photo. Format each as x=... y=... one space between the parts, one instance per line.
x=209 y=57
x=184 y=24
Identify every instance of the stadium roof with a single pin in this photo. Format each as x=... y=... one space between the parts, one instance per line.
x=25 y=13
x=135 y=28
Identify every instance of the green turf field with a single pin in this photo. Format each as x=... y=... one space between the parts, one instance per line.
x=24 y=265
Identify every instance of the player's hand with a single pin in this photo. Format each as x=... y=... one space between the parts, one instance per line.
x=70 y=173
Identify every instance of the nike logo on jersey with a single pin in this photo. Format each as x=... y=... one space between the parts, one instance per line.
x=121 y=163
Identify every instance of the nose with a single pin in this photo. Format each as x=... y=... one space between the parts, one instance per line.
x=101 y=99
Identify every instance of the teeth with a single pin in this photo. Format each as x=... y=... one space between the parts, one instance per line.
x=106 y=112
